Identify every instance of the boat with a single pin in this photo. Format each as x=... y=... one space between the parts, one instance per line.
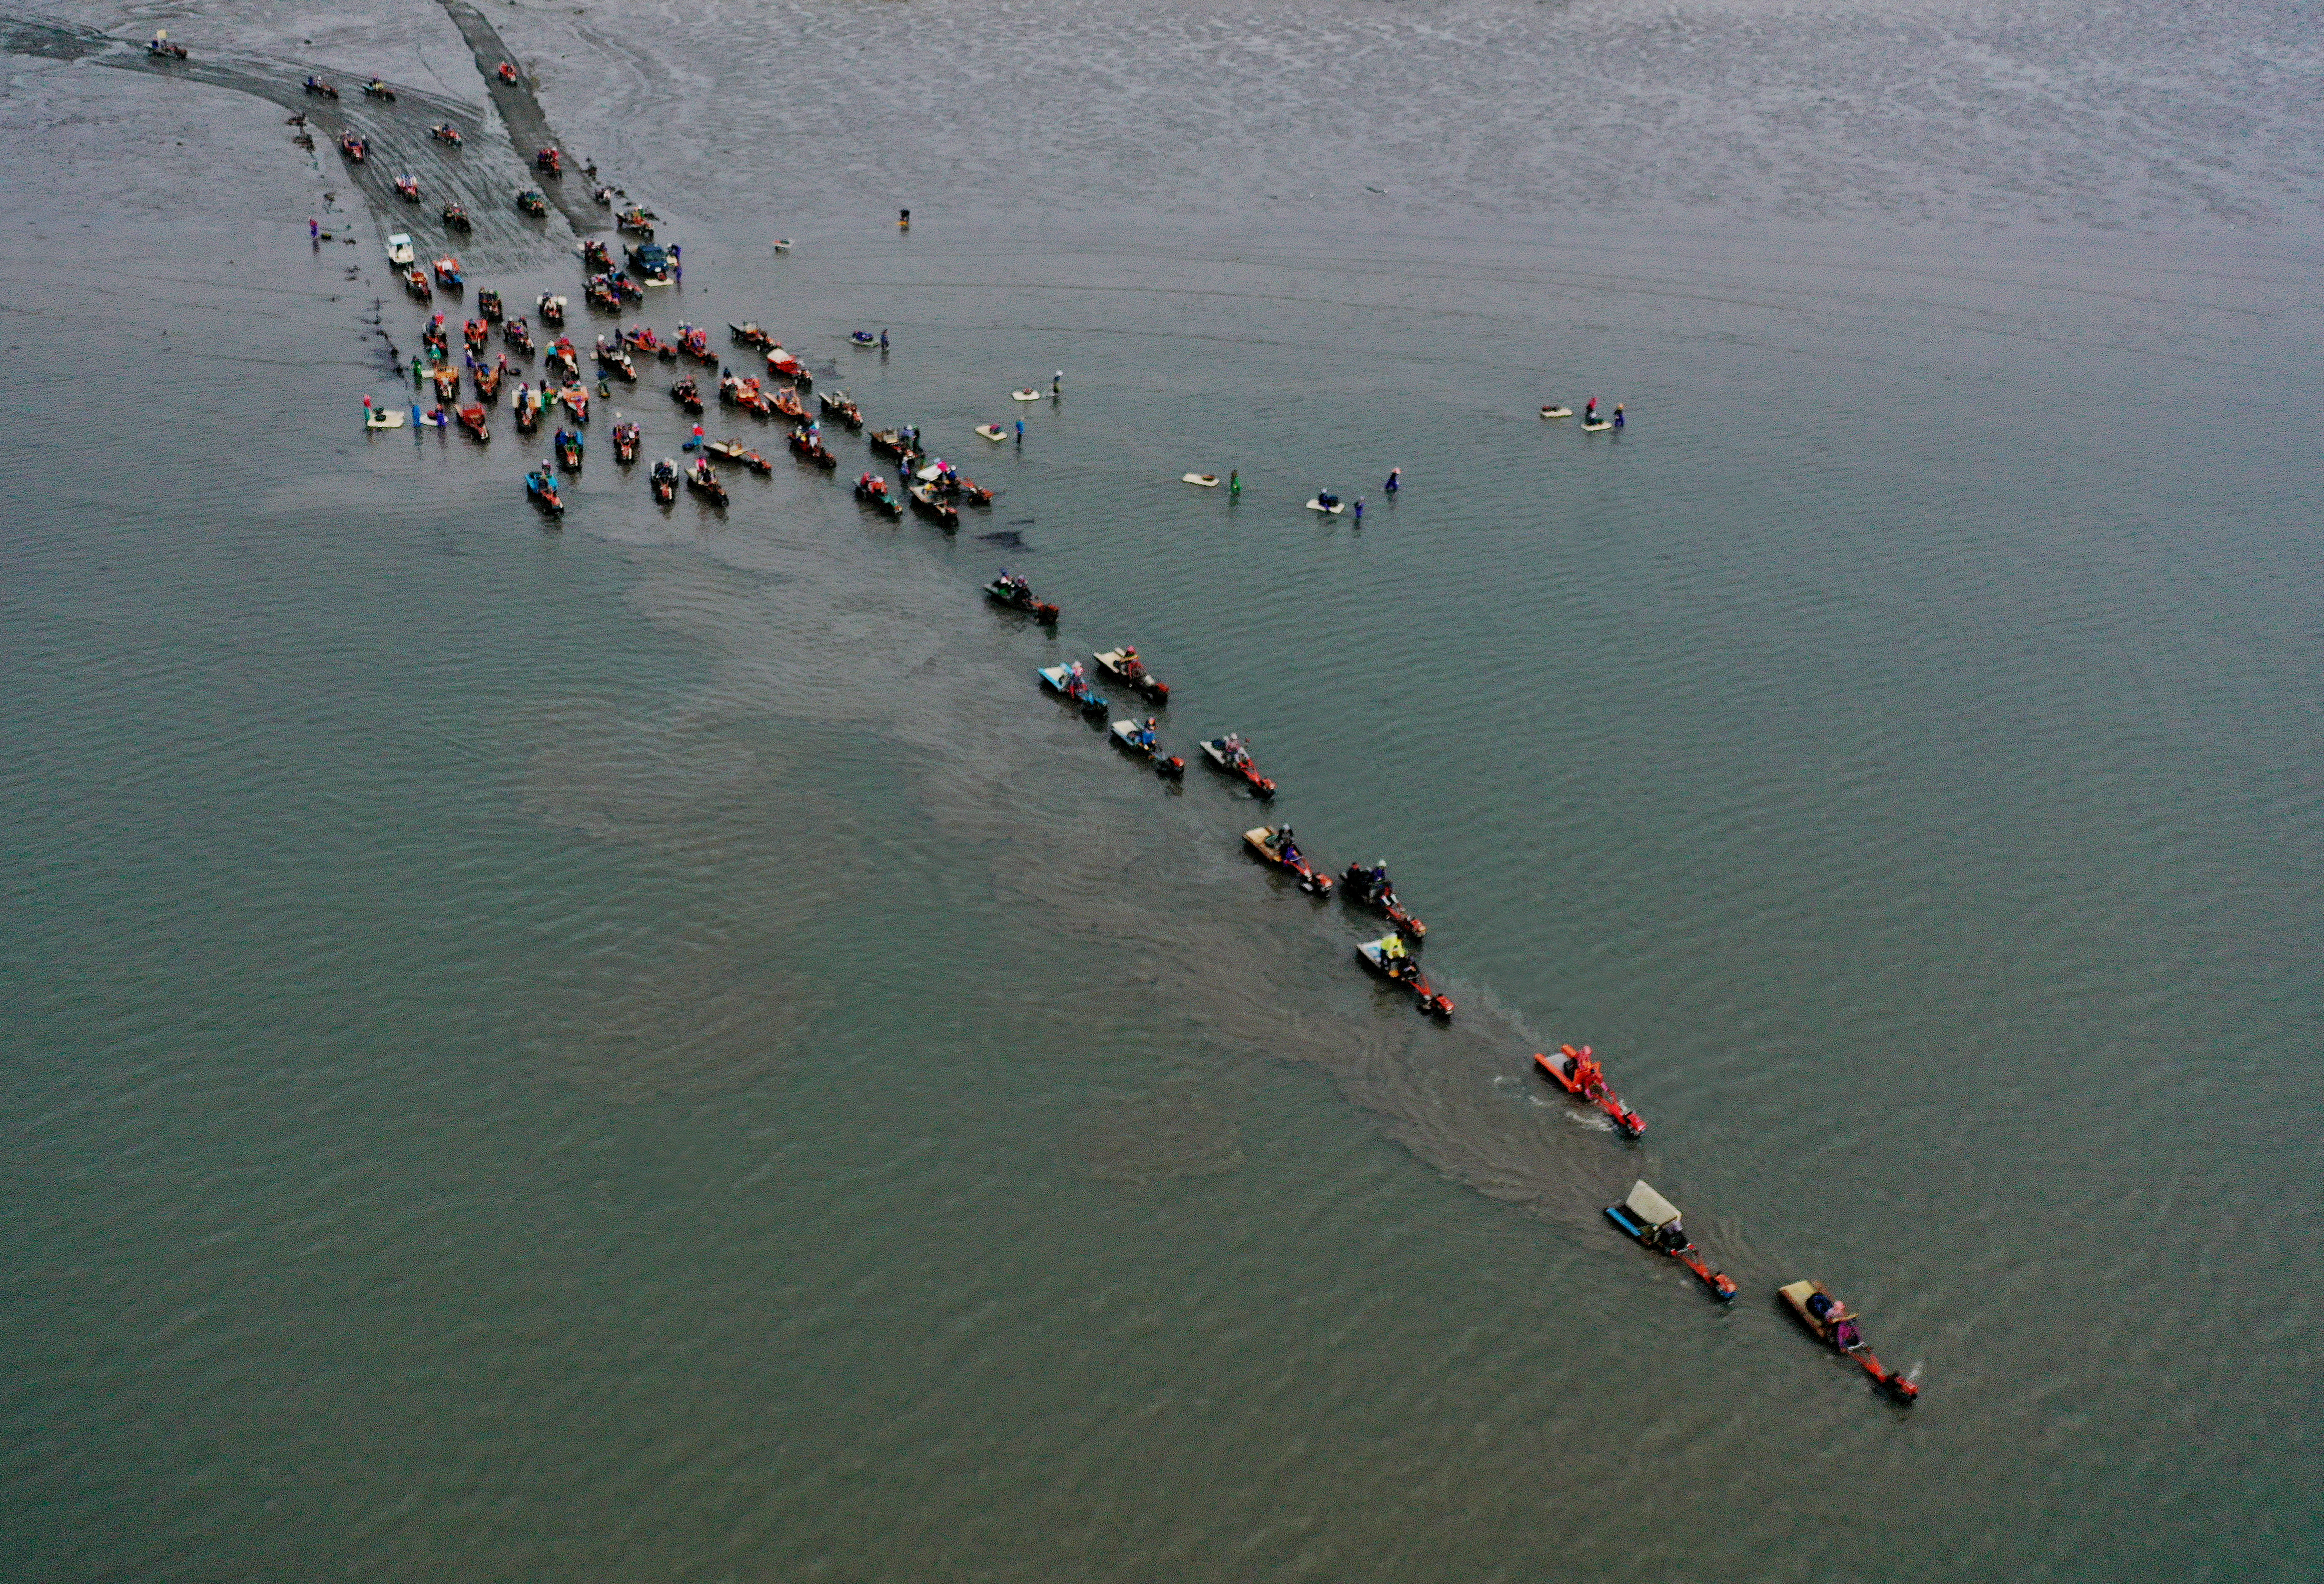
x=862 y=338
x=750 y=334
x=415 y=282
x=835 y=404
x=472 y=418
x=686 y=395
x=1327 y=503
x=1557 y=412
x=1280 y=849
x=1026 y=394
x=376 y=89
x=636 y=221
x=872 y=490
x=488 y=304
x=550 y=161
x=1578 y=1073
x=447 y=382
x=542 y=485
x=954 y=487
x=552 y=308
x=785 y=366
x=1015 y=593
x=1230 y=756
x=807 y=446
x=533 y=202
x=625 y=443
x=1597 y=426
x=518 y=333
x=702 y=480
x=664 y=480
x=320 y=89
x=507 y=69
x=1136 y=738
x=161 y=47
x=488 y=380
x=649 y=263
x=616 y=362
x=456 y=218
x=381 y=418
x=746 y=394
x=448 y=273
x=1124 y=667
x=444 y=132
x=354 y=147
x=408 y=186
x=993 y=431
x=781 y=245
x=642 y=338
x=929 y=503
x=399 y=250
x=1654 y=1221
x=568 y=450
x=1834 y=1323
x=1369 y=888
x=1387 y=958
x=1068 y=683
x=734 y=451
x=1209 y=480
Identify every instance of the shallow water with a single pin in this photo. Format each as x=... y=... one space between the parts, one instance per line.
x=651 y=1050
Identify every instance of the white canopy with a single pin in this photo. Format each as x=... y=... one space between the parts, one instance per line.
x=1650 y=1207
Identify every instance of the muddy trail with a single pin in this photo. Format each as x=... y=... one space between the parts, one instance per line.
x=528 y=125
x=483 y=175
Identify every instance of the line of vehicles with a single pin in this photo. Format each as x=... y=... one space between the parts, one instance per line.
x=1644 y=1214
x=529 y=201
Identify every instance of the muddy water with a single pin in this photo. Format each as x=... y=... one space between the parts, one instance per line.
x=652 y=1049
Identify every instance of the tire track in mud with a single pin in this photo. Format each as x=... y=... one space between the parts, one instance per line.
x=482 y=181
x=521 y=112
